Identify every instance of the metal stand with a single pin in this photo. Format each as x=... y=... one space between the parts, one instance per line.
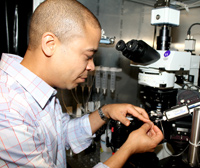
x=193 y=153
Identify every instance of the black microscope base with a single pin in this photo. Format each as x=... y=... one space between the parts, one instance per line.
x=150 y=160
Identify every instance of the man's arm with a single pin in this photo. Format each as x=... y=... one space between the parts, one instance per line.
x=95 y=121
x=117 y=112
x=144 y=139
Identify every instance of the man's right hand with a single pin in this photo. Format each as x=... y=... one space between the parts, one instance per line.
x=144 y=139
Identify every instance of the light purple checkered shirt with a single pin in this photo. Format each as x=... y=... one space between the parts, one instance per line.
x=33 y=130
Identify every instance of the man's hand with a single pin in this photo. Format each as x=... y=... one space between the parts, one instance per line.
x=120 y=111
x=144 y=139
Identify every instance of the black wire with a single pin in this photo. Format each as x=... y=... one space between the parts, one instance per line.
x=192 y=85
x=189 y=30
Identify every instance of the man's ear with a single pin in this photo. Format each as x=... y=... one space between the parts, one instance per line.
x=49 y=43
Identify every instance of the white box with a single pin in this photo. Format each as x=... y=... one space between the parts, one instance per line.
x=165 y=16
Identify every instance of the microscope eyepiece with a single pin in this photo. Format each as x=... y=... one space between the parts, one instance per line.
x=138 y=51
x=120 y=46
x=132 y=45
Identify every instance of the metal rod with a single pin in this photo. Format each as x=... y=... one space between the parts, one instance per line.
x=193 y=153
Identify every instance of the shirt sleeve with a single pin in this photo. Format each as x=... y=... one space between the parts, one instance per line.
x=78 y=133
x=100 y=165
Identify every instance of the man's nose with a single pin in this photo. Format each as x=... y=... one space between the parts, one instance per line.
x=90 y=65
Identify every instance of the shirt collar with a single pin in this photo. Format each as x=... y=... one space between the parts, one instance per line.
x=38 y=88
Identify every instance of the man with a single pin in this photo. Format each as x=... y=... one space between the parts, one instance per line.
x=34 y=132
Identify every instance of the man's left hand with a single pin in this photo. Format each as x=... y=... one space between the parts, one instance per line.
x=120 y=111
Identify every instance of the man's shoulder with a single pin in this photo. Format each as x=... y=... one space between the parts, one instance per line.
x=14 y=97
x=9 y=87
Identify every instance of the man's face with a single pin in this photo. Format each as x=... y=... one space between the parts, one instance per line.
x=75 y=59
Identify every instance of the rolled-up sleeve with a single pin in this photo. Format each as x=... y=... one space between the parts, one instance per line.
x=100 y=165
x=78 y=133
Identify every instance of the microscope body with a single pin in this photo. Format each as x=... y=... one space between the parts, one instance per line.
x=168 y=78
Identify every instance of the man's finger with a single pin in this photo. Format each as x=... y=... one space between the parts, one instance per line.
x=140 y=115
x=146 y=126
x=142 y=112
x=124 y=121
x=159 y=135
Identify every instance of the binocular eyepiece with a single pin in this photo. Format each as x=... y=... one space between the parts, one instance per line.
x=138 y=51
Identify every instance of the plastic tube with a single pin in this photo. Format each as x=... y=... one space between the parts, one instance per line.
x=90 y=81
x=104 y=79
x=97 y=78
x=112 y=79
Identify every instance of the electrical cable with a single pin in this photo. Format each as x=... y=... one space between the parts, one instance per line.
x=189 y=30
x=90 y=82
x=89 y=91
x=62 y=97
x=165 y=146
x=82 y=88
x=195 y=145
x=76 y=99
x=75 y=96
x=63 y=100
x=189 y=87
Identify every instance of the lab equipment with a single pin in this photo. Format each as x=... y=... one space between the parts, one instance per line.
x=104 y=79
x=120 y=132
x=90 y=81
x=106 y=40
x=82 y=86
x=112 y=79
x=193 y=153
x=97 y=78
x=175 y=113
x=190 y=42
x=164 y=15
x=138 y=51
x=113 y=72
x=163 y=77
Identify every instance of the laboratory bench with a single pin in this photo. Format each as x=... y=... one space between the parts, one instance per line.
x=86 y=159
x=91 y=156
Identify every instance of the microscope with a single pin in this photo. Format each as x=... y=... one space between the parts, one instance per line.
x=168 y=82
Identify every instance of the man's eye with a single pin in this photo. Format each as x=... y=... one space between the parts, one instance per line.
x=88 y=57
